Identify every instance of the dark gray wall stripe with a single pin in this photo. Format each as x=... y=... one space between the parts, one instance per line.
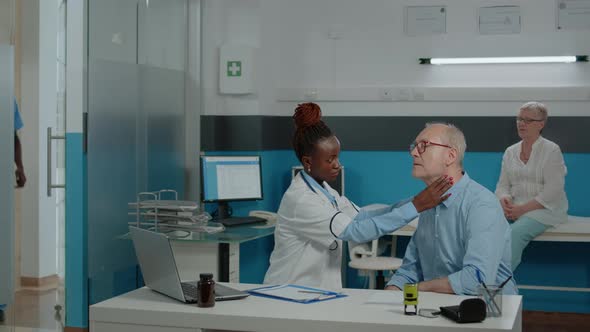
x=375 y=133
x=231 y=133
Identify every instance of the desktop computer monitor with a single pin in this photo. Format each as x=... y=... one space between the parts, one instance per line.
x=230 y=178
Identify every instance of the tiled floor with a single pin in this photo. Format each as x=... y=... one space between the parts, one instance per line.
x=35 y=311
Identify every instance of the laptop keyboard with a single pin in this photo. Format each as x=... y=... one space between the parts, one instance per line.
x=189 y=290
x=221 y=292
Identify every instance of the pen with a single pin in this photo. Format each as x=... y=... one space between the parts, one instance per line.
x=505 y=282
x=498 y=290
x=494 y=306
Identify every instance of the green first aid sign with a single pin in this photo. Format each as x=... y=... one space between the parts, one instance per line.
x=234 y=68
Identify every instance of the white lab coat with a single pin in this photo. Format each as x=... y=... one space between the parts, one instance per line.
x=306 y=250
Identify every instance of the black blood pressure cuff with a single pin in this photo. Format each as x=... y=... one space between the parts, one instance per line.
x=469 y=311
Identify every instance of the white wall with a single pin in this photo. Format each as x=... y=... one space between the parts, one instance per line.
x=38 y=104
x=296 y=55
x=7 y=179
x=6 y=21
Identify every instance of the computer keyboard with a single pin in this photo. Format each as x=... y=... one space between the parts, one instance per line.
x=237 y=221
x=189 y=289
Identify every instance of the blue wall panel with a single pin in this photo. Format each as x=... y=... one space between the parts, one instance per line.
x=76 y=234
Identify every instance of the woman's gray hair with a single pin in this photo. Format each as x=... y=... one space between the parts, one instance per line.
x=537 y=107
x=454 y=137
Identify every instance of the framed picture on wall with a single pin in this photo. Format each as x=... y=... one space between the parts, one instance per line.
x=425 y=20
x=499 y=20
x=573 y=15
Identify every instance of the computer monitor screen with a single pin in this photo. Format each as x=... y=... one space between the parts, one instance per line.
x=231 y=178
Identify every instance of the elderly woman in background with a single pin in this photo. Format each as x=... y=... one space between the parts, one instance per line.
x=531 y=184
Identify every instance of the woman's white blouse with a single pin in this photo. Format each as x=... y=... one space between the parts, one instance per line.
x=542 y=178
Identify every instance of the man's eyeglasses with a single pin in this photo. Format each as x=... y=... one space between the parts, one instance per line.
x=526 y=120
x=422 y=145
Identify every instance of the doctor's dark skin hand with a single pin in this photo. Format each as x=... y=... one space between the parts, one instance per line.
x=432 y=195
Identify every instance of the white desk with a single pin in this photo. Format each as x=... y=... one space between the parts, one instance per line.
x=147 y=311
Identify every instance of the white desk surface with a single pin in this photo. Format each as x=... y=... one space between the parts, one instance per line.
x=352 y=313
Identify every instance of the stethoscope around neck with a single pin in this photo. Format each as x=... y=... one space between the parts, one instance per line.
x=334 y=203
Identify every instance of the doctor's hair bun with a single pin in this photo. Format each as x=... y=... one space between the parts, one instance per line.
x=307 y=115
x=310 y=129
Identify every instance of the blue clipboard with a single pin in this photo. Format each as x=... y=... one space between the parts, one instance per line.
x=279 y=292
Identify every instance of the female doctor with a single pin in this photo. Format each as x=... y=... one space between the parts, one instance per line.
x=313 y=219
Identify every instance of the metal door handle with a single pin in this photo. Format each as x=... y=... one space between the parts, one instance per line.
x=50 y=186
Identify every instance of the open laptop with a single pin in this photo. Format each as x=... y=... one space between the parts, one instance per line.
x=160 y=273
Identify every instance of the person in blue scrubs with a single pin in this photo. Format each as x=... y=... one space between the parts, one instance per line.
x=21 y=179
x=463 y=242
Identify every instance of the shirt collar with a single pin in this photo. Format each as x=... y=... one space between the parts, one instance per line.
x=456 y=189
x=315 y=185
x=535 y=143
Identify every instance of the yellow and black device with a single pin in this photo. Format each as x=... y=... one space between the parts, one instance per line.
x=410 y=298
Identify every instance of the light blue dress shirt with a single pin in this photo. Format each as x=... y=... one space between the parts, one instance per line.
x=465 y=234
x=371 y=224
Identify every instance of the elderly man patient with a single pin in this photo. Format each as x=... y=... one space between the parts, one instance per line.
x=463 y=241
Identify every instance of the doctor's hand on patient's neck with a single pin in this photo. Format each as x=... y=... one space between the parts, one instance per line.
x=432 y=195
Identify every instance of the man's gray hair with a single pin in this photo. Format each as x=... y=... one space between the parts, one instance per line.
x=454 y=137
x=537 y=107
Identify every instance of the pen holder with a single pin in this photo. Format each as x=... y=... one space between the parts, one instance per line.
x=492 y=296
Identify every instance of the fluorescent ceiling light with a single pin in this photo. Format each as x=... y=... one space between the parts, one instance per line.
x=490 y=60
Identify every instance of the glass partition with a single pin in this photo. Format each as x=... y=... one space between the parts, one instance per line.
x=136 y=93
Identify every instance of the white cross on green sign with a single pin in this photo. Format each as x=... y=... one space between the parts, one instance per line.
x=234 y=68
